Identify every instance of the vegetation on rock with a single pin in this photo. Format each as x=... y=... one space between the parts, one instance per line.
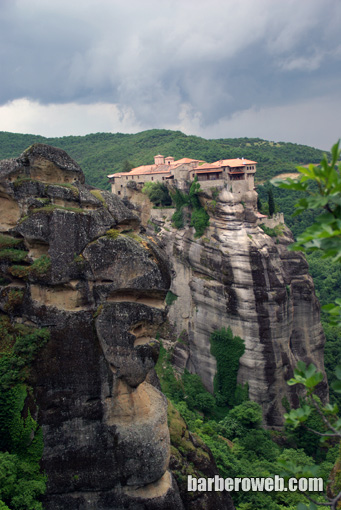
x=21 y=441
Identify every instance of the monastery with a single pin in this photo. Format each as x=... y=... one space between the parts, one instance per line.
x=237 y=175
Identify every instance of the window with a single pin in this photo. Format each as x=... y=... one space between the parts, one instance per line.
x=152 y=178
x=118 y=192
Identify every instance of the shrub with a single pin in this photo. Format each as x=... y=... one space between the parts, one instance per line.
x=157 y=193
x=178 y=219
x=199 y=220
x=170 y=298
x=227 y=349
x=248 y=414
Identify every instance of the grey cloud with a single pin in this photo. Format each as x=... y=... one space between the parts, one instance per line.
x=216 y=57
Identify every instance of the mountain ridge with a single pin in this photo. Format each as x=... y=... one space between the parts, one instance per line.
x=100 y=154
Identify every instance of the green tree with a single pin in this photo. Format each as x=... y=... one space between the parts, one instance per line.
x=157 y=193
x=324 y=235
x=227 y=349
x=259 y=204
x=126 y=166
x=271 y=202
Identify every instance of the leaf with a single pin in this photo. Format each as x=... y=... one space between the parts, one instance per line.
x=302 y=506
x=314 y=380
x=338 y=372
x=312 y=506
x=336 y=385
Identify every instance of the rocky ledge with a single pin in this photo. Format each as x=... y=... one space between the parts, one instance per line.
x=78 y=265
x=237 y=276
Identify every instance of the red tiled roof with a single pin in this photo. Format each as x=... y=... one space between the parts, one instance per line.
x=208 y=165
x=165 y=168
x=215 y=171
x=141 y=171
x=187 y=160
x=236 y=162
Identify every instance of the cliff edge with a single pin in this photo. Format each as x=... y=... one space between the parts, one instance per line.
x=237 y=276
x=72 y=260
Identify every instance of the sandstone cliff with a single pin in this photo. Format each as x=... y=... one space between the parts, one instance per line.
x=237 y=276
x=85 y=273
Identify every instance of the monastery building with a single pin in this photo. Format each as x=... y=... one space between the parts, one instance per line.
x=237 y=175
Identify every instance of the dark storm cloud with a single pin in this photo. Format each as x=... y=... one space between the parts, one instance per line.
x=157 y=58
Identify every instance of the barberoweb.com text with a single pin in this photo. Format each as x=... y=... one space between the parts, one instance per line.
x=276 y=484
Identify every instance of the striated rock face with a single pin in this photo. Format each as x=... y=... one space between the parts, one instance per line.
x=237 y=276
x=99 y=287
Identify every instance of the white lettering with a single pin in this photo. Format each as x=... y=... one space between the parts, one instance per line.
x=257 y=484
x=292 y=484
x=229 y=484
x=269 y=484
x=191 y=483
x=201 y=484
x=237 y=482
x=219 y=483
x=246 y=484
x=279 y=484
x=254 y=484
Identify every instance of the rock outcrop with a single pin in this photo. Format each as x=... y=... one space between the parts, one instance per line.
x=236 y=275
x=86 y=274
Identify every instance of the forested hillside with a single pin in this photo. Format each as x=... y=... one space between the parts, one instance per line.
x=241 y=447
x=100 y=154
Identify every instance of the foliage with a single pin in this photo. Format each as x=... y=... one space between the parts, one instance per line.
x=310 y=378
x=157 y=193
x=271 y=202
x=227 y=349
x=252 y=452
x=112 y=233
x=126 y=166
x=325 y=233
x=47 y=209
x=248 y=414
x=13 y=255
x=199 y=217
x=100 y=154
x=38 y=268
x=21 y=441
x=272 y=232
x=26 y=344
x=97 y=194
x=178 y=219
x=7 y=241
x=200 y=221
x=170 y=298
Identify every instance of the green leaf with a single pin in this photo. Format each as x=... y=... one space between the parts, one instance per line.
x=336 y=385
x=338 y=372
x=312 y=506
x=302 y=506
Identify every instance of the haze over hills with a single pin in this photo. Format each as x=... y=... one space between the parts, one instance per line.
x=100 y=154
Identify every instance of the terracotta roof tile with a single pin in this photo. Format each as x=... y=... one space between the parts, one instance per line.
x=215 y=171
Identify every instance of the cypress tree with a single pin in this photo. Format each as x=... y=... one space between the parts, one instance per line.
x=271 y=202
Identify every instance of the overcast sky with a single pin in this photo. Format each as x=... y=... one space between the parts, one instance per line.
x=213 y=68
